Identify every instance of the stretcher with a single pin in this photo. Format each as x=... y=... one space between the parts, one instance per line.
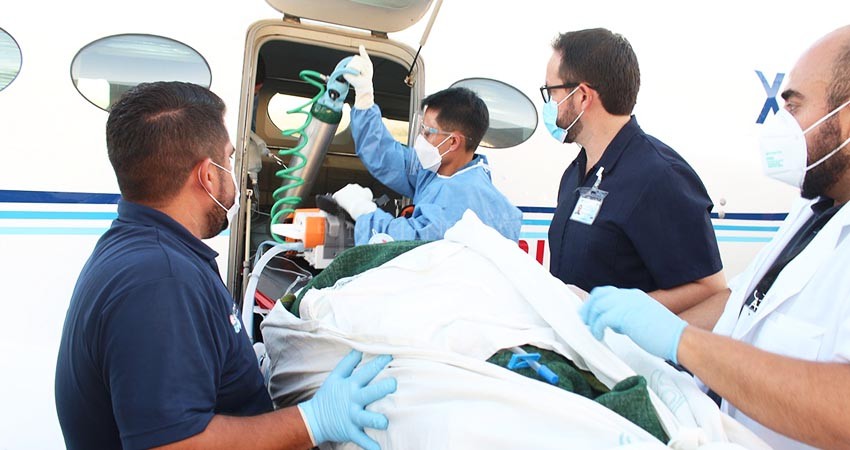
x=442 y=309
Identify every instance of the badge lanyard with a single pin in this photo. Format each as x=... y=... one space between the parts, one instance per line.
x=798 y=243
x=589 y=201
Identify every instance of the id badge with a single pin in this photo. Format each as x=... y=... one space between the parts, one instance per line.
x=588 y=206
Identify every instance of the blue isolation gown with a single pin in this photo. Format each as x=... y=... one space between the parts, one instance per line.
x=439 y=201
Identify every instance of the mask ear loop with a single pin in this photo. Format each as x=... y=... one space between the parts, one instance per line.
x=567 y=130
x=205 y=188
x=820 y=121
x=568 y=96
x=443 y=142
x=824 y=118
x=820 y=161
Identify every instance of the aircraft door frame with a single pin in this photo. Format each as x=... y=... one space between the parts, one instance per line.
x=378 y=45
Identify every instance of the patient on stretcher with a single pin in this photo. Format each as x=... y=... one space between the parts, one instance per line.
x=450 y=312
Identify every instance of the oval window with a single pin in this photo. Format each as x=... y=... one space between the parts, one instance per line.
x=513 y=117
x=10 y=59
x=107 y=68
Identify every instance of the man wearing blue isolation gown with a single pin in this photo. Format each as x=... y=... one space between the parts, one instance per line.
x=441 y=173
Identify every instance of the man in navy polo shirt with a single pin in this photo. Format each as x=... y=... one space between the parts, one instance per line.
x=631 y=212
x=153 y=351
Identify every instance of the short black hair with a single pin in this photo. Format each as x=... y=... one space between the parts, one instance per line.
x=156 y=134
x=606 y=62
x=460 y=109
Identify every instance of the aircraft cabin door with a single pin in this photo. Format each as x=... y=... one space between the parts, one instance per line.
x=276 y=54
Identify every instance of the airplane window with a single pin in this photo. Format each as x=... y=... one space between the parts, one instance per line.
x=10 y=59
x=279 y=104
x=106 y=68
x=513 y=117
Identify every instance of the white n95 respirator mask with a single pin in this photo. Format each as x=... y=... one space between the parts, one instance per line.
x=783 y=147
x=234 y=209
x=429 y=156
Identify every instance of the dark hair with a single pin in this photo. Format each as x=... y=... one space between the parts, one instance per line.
x=839 y=87
x=603 y=60
x=460 y=109
x=156 y=134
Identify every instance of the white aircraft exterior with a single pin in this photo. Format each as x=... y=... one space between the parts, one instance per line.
x=710 y=72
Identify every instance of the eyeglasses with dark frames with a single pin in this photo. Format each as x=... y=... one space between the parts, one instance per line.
x=544 y=90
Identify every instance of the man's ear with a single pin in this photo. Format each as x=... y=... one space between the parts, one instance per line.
x=459 y=142
x=589 y=95
x=204 y=175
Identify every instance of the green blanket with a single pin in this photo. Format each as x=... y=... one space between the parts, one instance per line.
x=629 y=398
x=352 y=262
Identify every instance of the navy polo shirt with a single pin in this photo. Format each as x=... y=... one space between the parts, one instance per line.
x=153 y=345
x=653 y=230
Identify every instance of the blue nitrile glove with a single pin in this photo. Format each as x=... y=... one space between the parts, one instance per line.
x=633 y=313
x=336 y=413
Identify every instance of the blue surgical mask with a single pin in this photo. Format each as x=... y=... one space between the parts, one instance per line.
x=550 y=118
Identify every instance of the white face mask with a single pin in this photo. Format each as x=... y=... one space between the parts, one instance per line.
x=783 y=147
x=231 y=212
x=429 y=155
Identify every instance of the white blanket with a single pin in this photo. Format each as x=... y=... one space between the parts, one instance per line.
x=441 y=310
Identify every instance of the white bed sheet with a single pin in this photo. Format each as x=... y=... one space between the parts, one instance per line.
x=441 y=310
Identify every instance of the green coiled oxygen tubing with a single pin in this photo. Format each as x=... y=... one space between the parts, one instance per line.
x=285 y=205
x=326 y=106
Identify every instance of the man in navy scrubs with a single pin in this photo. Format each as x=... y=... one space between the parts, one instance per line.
x=631 y=212
x=153 y=351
